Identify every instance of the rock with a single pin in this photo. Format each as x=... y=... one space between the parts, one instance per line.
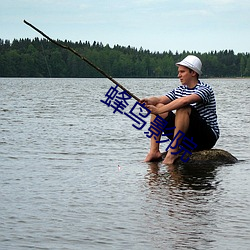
x=206 y=157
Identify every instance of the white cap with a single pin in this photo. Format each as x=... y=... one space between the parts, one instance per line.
x=191 y=62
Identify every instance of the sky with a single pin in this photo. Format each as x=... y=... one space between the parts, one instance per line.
x=155 y=25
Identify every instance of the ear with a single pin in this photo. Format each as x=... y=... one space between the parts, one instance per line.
x=193 y=73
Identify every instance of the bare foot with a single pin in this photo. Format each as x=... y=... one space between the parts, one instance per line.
x=153 y=156
x=170 y=158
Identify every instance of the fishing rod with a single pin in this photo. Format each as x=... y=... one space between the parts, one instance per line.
x=83 y=58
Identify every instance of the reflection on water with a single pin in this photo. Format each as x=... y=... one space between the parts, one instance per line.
x=189 y=177
x=61 y=187
x=184 y=195
x=194 y=207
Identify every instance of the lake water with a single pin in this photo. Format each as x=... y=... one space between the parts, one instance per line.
x=72 y=174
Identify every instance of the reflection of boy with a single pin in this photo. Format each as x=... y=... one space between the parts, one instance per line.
x=195 y=107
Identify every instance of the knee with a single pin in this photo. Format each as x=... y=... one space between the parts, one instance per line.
x=163 y=115
x=158 y=105
x=186 y=110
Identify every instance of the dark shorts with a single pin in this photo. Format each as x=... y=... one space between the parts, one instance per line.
x=202 y=134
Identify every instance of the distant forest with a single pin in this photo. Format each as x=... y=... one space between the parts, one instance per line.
x=41 y=58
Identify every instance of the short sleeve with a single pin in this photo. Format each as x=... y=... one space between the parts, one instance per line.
x=174 y=94
x=204 y=93
x=171 y=95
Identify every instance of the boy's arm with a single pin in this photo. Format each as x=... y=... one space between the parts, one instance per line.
x=176 y=104
x=155 y=100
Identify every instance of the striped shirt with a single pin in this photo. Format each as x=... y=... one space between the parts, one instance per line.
x=206 y=108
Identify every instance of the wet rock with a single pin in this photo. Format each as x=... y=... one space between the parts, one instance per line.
x=206 y=157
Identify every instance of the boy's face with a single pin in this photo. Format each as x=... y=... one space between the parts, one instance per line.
x=185 y=75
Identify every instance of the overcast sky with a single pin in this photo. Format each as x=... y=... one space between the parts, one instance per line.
x=157 y=25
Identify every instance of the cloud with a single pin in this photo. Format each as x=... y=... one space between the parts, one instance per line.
x=152 y=24
x=225 y=5
x=149 y=2
x=222 y=2
x=83 y=6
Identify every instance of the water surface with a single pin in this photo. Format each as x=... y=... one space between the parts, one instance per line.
x=72 y=175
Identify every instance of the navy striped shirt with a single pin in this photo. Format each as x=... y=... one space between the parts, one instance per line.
x=206 y=108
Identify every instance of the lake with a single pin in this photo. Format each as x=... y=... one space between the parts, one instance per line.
x=72 y=173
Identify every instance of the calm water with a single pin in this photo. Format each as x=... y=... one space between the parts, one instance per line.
x=72 y=175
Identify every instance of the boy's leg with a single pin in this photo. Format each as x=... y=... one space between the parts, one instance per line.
x=201 y=133
x=182 y=118
x=154 y=152
x=188 y=121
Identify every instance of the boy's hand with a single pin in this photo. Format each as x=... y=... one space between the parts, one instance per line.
x=153 y=109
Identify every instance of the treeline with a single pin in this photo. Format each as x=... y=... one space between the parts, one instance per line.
x=41 y=58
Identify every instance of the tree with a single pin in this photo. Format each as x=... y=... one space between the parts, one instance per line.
x=41 y=58
x=247 y=69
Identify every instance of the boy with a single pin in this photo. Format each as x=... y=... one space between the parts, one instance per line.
x=195 y=115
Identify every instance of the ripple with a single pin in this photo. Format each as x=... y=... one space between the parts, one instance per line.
x=61 y=185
